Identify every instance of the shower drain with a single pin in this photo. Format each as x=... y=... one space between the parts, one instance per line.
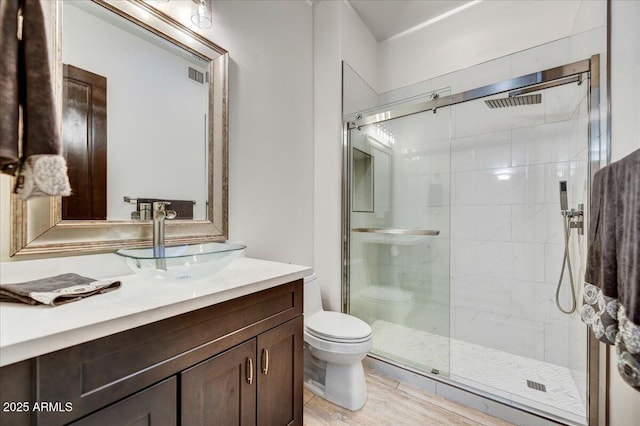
x=536 y=386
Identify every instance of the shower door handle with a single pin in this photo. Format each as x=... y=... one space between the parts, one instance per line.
x=397 y=231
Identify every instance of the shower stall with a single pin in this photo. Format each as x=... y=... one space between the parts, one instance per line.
x=454 y=230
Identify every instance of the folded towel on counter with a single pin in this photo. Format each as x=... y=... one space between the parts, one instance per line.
x=611 y=304
x=56 y=290
x=25 y=82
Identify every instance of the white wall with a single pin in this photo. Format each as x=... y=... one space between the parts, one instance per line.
x=270 y=44
x=338 y=35
x=624 y=401
x=483 y=32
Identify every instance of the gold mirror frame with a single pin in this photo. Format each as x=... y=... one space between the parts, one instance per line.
x=37 y=227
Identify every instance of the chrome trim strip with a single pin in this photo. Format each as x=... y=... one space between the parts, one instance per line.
x=346 y=203
x=596 y=151
x=547 y=85
x=594 y=412
x=397 y=231
x=550 y=74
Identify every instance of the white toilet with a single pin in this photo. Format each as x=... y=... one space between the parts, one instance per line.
x=335 y=344
x=388 y=303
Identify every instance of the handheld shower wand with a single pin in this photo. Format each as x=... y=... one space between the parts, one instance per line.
x=564 y=203
x=568 y=218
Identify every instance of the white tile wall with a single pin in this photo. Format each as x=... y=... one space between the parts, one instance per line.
x=591 y=14
x=537 y=223
x=484 y=223
x=481 y=293
x=587 y=43
x=512 y=185
x=484 y=258
x=507 y=232
x=556 y=344
x=488 y=151
x=527 y=260
x=503 y=332
x=535 y=301
x=543 y=57
x=541 y=144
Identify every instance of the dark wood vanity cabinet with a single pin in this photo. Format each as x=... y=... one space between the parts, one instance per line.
x=259 y=380
x=236 y=362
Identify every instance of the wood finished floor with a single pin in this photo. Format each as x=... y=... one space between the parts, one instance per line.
x=391 y=402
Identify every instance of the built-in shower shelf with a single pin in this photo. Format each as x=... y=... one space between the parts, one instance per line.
x=398 y=240
x=396 y=236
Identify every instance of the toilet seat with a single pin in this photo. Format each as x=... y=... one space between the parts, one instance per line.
x=337 y=327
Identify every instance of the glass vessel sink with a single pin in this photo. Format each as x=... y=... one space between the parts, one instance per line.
x=187 y=261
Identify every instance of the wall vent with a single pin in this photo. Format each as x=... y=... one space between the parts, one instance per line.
x=196 y=75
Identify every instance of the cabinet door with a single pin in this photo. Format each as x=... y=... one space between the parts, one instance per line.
x=221 y=390
x=155 y=406
x=280 y=375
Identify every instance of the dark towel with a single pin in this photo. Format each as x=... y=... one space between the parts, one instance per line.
x=9 y=157
x=25 y=81
x=55 y=290
x=612 y=277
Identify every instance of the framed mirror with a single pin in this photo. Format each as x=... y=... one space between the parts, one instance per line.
x=143 y=109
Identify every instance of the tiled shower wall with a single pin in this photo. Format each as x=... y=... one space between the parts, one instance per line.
x=507 y=236
x=507 y=241
x=506 y=227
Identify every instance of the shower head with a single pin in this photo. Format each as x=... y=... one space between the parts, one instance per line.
x=514 y=101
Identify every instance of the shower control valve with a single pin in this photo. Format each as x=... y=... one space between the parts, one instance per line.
x=573 y=213
x=575 y=217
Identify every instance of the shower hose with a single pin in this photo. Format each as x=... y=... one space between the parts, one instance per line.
x=566 y=262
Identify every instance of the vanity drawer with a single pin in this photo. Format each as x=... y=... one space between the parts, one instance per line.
x=94 y=374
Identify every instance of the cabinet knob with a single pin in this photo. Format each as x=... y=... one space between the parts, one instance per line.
x=265 y=361
x=248 y=366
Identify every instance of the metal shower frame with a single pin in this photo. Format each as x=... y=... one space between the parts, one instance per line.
x=598 y=153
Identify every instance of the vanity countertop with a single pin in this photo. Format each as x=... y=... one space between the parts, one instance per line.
x=29 y=331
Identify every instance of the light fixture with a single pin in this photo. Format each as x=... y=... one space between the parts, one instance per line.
x=202 y=15
x=503 y=174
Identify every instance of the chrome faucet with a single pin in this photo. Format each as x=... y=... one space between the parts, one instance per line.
x=160 y=213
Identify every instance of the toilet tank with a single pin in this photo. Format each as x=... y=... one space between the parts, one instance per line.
x=312 y=296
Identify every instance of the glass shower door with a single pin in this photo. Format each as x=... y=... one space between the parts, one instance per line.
x=398 y=264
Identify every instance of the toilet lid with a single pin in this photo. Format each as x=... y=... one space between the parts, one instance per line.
x=337 y=327
x=386 y=294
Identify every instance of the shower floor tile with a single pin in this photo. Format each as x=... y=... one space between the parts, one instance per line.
x=500 y=373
